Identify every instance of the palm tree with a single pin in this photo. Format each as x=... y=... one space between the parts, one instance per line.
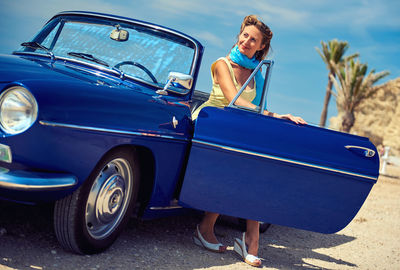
x=332 y=52
x=352 y=86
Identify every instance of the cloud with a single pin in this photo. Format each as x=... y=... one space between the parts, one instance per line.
x=284 y=17
x=176 y=7
x=209 y=37
x=374 y=13
x=315 y=14
x=32 y=8
x=219 y=9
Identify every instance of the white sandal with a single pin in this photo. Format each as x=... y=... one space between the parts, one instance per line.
x=200 y=241
x=240 y=248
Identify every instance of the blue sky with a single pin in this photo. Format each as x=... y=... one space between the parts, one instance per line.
x=299 y=78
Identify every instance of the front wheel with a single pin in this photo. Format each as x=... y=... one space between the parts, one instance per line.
x=90 y=219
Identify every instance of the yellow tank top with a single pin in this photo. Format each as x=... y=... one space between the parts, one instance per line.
x=217 y=98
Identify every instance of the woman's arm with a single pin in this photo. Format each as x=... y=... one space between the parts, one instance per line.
x=223 y=77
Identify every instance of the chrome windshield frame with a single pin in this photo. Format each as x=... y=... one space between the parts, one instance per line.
x=263 y=104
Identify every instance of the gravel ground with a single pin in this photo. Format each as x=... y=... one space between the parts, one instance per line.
x=370 y=241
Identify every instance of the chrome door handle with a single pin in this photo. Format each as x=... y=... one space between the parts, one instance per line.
x=361 y=150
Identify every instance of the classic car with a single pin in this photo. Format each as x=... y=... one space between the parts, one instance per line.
x=95 y=116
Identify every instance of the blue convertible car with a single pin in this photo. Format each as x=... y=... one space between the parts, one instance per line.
x=95 y=115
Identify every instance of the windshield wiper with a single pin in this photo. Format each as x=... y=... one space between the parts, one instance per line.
x=89 y=57
x=36 y=45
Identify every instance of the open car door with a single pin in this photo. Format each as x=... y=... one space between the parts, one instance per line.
x=252 y=166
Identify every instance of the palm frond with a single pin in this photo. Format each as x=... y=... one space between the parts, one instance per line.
x=353 y=84
x=334 y=51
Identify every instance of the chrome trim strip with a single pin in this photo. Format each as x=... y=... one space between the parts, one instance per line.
x=29 y=186
x=283 y=159
x=165 y=207
x=135 y=133
x=17 y=180
x=173 y=205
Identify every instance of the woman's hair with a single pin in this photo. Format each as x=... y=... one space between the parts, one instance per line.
x=265 y=31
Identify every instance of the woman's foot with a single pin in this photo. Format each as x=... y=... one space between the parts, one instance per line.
x=240 y=247
x=207 y=232
x=211 y=243
x=251 y=244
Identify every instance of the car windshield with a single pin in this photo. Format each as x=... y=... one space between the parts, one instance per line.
x=137 y=50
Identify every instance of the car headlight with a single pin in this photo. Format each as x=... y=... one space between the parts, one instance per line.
x=18 y=110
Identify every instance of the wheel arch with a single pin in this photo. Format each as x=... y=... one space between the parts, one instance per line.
x=70 y=223
x=147 y=173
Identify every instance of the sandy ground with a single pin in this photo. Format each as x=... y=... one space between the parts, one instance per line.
x=370 y=241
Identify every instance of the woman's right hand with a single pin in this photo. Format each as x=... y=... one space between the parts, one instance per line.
x=296 y=119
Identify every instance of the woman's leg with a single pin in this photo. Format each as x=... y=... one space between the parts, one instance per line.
x=206 y=227
x=252 y=236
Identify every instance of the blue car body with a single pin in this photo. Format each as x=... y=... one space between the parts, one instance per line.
x=230 y=160
x=79 y=121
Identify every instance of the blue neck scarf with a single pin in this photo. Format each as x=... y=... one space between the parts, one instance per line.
x=242 y=60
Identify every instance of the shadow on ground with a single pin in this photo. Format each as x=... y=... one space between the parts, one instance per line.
x=27 y=241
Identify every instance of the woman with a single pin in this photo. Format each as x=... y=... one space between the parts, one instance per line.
x=228 y=75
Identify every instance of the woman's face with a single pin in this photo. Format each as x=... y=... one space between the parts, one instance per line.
x=250 y=41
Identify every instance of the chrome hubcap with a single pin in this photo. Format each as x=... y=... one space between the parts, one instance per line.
x=108 y=198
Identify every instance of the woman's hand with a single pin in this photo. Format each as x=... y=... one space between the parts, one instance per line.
x=296 y=119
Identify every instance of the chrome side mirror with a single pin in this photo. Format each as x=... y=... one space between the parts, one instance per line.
x=178 y=81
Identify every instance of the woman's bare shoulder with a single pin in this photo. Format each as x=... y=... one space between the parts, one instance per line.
x=221 y=65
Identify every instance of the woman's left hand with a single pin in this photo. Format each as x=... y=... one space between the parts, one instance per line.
x=296 y=119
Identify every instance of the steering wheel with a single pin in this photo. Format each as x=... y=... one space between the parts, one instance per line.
x=148 y=72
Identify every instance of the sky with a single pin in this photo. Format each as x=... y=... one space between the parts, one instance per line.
x=299 y=77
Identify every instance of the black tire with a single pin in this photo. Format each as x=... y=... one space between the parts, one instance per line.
x=263 y=226
x=89 y=220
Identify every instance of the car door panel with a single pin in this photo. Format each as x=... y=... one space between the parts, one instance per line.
x=252 y=166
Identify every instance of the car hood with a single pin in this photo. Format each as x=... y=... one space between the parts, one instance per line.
x=19 y=68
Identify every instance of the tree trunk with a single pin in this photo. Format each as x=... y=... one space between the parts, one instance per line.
x=347 y=121
x=324 y=112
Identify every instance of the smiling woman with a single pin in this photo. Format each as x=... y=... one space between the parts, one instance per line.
x=229 y=74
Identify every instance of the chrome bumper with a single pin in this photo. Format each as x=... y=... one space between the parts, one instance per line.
x=35 y=181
